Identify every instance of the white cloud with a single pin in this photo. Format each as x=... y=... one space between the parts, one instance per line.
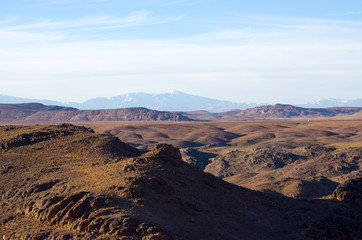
x=92 y=23
x=345 y=14
x=299 y=62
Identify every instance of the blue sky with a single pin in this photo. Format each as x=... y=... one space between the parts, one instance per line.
x=243 y=51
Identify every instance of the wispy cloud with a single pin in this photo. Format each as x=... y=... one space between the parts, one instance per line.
x=139 y=18
x=9 y=20
x=345 y=14
x=297 y=22
x=275 y=59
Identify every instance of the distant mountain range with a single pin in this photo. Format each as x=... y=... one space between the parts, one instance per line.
x=36 y=112
x=172 y=101
x=333 y=103
x=9 y=99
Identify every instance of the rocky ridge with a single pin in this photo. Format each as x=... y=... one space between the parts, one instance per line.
x=75 y=187
x=280 y=111
x=36 y=112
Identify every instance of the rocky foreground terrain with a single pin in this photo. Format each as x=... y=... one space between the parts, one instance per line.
x=67 y=182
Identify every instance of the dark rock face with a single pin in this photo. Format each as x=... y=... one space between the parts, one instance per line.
x=347 y=224
x=197 y=158
x=156 y=184
x=334 y=228
x=350 y=192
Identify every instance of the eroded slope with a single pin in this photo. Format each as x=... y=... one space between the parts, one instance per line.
x=66 y=182
x=302 y=159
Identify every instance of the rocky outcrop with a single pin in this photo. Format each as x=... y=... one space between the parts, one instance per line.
x=196 y=158
x=166 y=153
x=350 y=192
x=35 y=137
x=91 y=214
x=86 y=213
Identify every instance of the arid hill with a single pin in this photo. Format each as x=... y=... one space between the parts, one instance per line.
x=301 y=159
x=279 y=111
x=36 y=112
x=20 y=112
x=66 y=182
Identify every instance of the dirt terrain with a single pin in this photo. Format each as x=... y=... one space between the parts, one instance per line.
x=302 y=159
x=67 y=182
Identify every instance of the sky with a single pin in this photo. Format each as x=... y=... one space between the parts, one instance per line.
x=261 y=51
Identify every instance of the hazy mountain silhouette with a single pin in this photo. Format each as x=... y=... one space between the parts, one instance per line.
x=331 y=102
x=170 y=101
x=11 y=100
